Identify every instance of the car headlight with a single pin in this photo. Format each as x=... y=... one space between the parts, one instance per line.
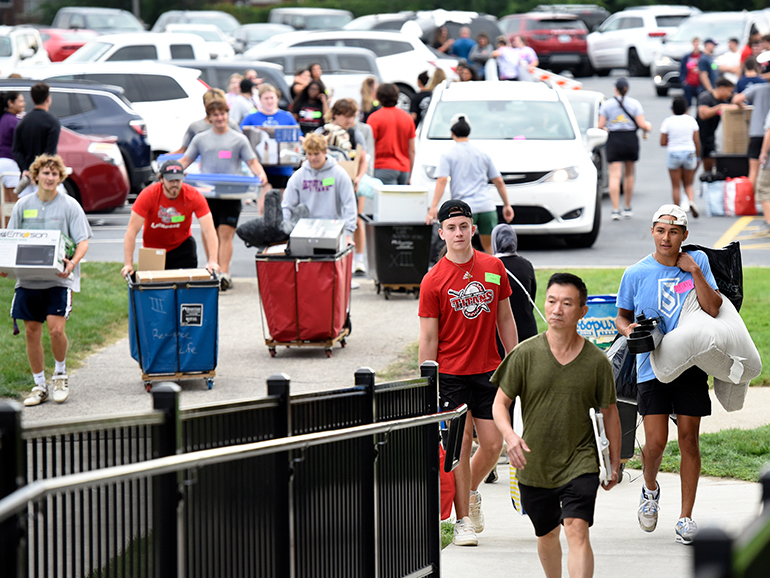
x=563 y=175
x=106 y=151
x=430 y=171
x=663 y=61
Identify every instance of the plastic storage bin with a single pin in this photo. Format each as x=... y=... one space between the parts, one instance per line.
x=220 y=186
x=398 y=255
x=598 y=325
x=400 y=204
x=174 y=328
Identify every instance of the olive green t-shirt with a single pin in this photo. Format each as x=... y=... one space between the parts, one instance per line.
x=555 y=400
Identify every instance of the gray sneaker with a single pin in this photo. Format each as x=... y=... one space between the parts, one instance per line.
x=648 y=511
x=464 y=534
x=764 y=229
x=61 y=390
x=686 y=530
x=39 y=395
x=23 y=184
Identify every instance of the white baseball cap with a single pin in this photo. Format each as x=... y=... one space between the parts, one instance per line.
x=680 y=217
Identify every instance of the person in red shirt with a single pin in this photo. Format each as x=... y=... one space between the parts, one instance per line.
x=165 y=210
x=463 y=300
x=393 y=131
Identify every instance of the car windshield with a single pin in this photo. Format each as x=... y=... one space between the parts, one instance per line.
x=226 y=25
x=720 y=30
x=5 y=47
x=504 y=119
x=207 y=35
x=113 y=22
x=555 y=24
x=90 y=52
x=326 y=21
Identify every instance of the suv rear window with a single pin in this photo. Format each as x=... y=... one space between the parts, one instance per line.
x=138 y=52
x=182 y=52
x=555 y=24
x=380 y=47
x=351 y=63
x=306 y=61
x=669 y=21
x=64 y=105
x=142 y=87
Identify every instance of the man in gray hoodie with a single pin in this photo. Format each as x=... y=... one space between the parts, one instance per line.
x=322 y=185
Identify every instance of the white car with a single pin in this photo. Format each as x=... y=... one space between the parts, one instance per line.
x=400 y=57
x=216 y=41
x=531 y=134
x=630 y=38
x=159 y=46
x=20 y=46
x=168 y=97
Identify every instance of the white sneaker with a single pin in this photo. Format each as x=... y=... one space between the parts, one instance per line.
x=475 y=513
x=686 y=530
x=464 y=533
x=61 y=390
x=628 y=213
x=359 y=266
x=39 y=395
x=648 y=511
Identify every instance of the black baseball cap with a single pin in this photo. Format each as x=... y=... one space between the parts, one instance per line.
x=710 y=41
x=454 y=208
x=172 y=171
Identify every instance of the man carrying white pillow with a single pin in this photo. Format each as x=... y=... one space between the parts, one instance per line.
x=657 y=286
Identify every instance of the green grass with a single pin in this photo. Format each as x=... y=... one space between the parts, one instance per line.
x=447 y=533
x=99 y=317
x=733 y=453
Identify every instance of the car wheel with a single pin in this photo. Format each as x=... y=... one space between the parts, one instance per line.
x=405 y=94
x=587 y=239
x=661 y=90
x=584 y=70
x=602 y=71
x=73 y=191
x=635 y=66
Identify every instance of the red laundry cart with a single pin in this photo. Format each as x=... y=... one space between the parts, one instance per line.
x=305 y=300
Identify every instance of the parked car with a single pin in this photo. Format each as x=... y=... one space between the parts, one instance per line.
x=249 y=35
x=585 y=104
x=90 y=108
x=163 y=46
x=344 y=69
x=400 y=57
x=103 y=20
x=558 y=39
x=721 y=26
x=390 y=22
x=20 y=47
x=167 y=97
x=591 y=14
x=61 y=42
x=218 y=46
x=531 y=134
x=630 y=38
x=226 y=22
x=310 y=18
x=217 y=74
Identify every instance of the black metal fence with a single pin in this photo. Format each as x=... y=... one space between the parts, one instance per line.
x=352 y=504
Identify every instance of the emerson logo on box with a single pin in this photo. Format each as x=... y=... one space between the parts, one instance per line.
x=16 y=234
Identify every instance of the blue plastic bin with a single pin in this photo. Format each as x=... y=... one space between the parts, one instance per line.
x=598 y=325
x=174 y=327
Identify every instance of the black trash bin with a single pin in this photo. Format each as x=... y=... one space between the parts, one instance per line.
x=398 y=255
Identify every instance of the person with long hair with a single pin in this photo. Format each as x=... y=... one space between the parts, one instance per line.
x=421 y=100
x=369 y=102
x=301 y=79
x=233 y=88
x=466 y=72
x=310 y=107
x=679 y=134
x=621 y=117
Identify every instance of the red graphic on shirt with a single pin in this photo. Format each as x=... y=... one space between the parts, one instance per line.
x=473 y=300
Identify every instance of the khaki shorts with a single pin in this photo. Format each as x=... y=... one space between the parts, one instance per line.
x=762 y=194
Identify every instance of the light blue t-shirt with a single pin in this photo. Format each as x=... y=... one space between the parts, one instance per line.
x=617 y=119
x=658 y=291
x=470 y=170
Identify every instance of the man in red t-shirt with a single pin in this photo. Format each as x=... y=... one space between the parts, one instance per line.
x=165 y=209
x=463 y=300
x=393 y=131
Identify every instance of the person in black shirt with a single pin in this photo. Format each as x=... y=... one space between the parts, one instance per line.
x=711 y=103
x=36 y=134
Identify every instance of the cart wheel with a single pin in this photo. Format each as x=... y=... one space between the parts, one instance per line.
x=328 y=352
x=387 y=293
x=210 y=383
x=343 y=343
x=148 y=386
x=272 y=351
x=378 y=288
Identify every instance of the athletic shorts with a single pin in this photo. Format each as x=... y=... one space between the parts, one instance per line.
x=37 y=304
x=755 y=146
x=547 y=507
x=708 y=146
x=762 y=194
x=185 y=256
x=278 y=181
x=476 y=391
x=688 y=394
x=622 y=145
x=681 y=160
x=225 y=212
x=485 y=222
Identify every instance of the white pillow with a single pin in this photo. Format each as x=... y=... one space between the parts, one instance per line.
x=721 y=346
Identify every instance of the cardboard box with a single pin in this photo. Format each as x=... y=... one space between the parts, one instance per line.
x=400 y=204
x=151 y=259
x=36 y=255
x=317 y=237
x=735 y=127
x=351 y=167
x=172 y=275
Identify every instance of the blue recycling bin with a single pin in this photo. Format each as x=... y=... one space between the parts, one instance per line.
x=174 y=327
x=598 y=325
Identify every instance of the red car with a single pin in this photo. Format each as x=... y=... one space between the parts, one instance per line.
x=99 y=181
x=559 y=40
x=60 y=43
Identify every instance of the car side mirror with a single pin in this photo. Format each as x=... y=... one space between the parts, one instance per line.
x=26 y=53
x=595 y=137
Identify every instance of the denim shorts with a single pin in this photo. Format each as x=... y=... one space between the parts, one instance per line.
x=686 y=160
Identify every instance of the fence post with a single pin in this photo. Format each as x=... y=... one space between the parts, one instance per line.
x=429 y=369
x=165 y=488
x=13 y=475
x=712 y=554
x=364 y=378
x=278 y=385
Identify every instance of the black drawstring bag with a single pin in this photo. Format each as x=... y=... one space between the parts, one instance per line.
x=623 y=368
x=727 y=266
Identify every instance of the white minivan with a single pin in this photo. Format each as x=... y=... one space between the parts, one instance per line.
x=156 y=46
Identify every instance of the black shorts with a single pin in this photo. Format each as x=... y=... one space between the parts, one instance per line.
x=755 y=146
x=547 y=507
x=708 y=146
x=476 y=391
x=225 y=212
x=622 y=145
x=688 y=394
x=37 y=304
x=185 y=256
x=278 y=181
